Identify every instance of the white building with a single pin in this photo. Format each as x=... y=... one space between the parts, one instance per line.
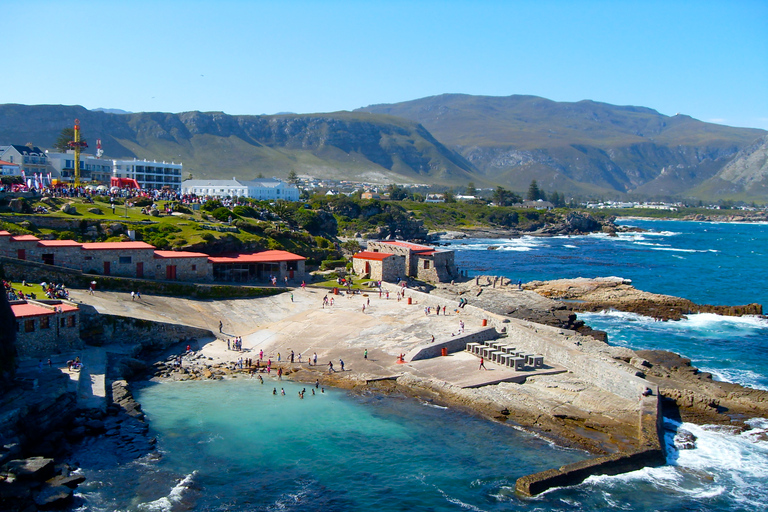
x=149 y=175
x=9 y=169
x=30 y=159
x=91 y=168
x=260 y=189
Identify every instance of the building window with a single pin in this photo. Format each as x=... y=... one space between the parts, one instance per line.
x=125 y=259
x=29 y=326
x=426 y=264
x=71 y=321
x=45 y=323
x=194 y=267
x=88 y=258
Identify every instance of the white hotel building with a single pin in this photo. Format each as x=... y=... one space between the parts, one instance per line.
x=149 y=175
x=260 y=189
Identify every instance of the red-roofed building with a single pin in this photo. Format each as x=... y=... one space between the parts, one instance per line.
x=20 y=246
x=127 y=259
x=380 y=266
x=420 y=261
x=181 y=265
x=63 y=253
x=46 y=327
x=258 y=266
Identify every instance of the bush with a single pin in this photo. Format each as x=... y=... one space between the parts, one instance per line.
x=142 y=202
x=246 y=211
x=223 y=214
x=331 y=264
x=212 y=205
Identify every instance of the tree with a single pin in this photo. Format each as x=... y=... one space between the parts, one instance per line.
x=396 y=192
x=293 y=178
x=533 y=191
x=504 y=197
x=449 y=196
x=471 y=190
x=65 y=137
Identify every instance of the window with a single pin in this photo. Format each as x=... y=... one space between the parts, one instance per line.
x=29 y=326
x=71 y=321
x=88 y=258
x=426 y=264
x=45 y=323
x=194 y=267
x=125 y=259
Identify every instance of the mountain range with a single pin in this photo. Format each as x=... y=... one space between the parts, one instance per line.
x=586 y=148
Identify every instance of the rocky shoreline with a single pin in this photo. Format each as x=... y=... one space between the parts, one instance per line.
x=541 y=404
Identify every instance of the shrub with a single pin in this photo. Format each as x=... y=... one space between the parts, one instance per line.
x=223 y=214
x=212 y=205
x=331 y=264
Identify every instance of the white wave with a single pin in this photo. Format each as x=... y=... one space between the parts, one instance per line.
x=571 y=246
x=456 y=501
x=433 y=405
x=166 y=503
x=744 y=377
x=707 y=320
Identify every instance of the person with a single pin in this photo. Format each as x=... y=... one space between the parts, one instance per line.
x=261 y=354
x=133 y=295
x=365 y=354
x=278 y=357
x=317 y=383
x=280 y=373
x=330 y=366
x=433 y=339
x=292 y=355
x=282 y=391
x=341 y=363
x=228 y=345
x=92 y=287
x=261 y=380
x=220 y=325
x=138 y=294
x=315 y=359
x=482 y=364
x=274 y=391
x=291 y=296
x=50 y=363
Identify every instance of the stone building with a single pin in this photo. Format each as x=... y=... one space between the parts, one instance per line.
x=142 y=260
x=45 y=327
x=181 y=265
x=379 y=266
x=421 y=262
x=126 y=259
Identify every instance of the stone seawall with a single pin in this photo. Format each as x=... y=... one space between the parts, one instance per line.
x=563 y=347
x=454 y=344
x=99 y=329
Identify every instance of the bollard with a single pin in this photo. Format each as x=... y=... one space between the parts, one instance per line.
x=409 y=300
x=335 y=291
x=485 y=322
x=444 y=351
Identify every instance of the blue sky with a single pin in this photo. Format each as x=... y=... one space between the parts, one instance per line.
x=707 y=59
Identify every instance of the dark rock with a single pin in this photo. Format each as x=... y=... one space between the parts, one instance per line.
x=53 y=496
x=685 y=440
x=33 y=468
x=71 y=481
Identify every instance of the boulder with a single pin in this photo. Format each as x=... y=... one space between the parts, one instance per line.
x=685 y=440
x=46 y=200
x=53 y=496
x=95 y=211
x=33 y=468
x=69 y=209
x=17 y=204
x=70 y=481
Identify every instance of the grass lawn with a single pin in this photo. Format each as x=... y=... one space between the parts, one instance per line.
x=361 y=284
x=30 y=288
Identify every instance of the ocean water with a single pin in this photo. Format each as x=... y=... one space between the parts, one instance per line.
x=233 y=445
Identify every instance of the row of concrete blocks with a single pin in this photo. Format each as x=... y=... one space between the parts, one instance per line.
x=503 y=354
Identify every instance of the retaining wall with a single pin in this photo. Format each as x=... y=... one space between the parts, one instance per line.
x=454 y=344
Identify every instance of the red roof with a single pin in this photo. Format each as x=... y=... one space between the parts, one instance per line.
x=413 y=247
x=27 y=310
x=3 y=162
x=368 y=255
x=59 y=243
x=25 y=238
x=179 y=254
x=117 y=246
x=257 y=257
x=5 y=233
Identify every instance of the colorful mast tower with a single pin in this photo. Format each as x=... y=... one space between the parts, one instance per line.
x=77 y=145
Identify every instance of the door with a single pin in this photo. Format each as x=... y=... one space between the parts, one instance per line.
x=22 y=254
x=48 y=259
x=107 y=268
x=170 y=272
x=140 y=269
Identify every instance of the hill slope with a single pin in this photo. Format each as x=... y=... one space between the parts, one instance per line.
x=579 y=146
x=340 y=145
x=744 y=177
